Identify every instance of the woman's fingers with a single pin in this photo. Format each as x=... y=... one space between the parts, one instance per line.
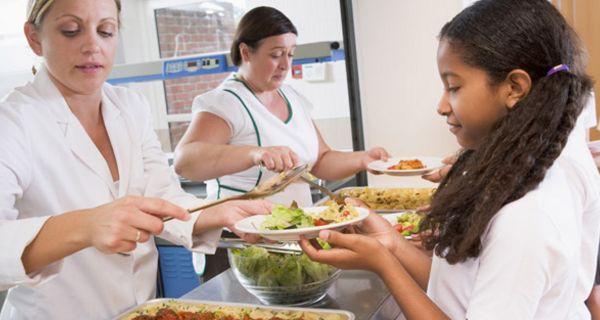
x=295 y=159
x=424 y=208
x=279 y=158
x=255 y=206
x=250 y=238
x=356 y=202
x=383 y=154
x=160 y=208
x=145 y=213
x=120 y=225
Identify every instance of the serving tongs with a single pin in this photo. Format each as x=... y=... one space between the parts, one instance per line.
x=269 y=187
x=308 y=178
x=278 y=247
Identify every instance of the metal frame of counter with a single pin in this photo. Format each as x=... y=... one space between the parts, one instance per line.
x=360 y=292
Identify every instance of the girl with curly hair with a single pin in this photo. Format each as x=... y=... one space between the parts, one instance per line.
x=515 y=224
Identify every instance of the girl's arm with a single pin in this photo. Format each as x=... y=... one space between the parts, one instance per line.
x=354 y=251
x=335 y=165
x=414 y=260
x=413 y=301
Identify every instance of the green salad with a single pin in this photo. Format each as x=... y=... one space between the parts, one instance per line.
x=409 y=223
x=272 y=269
x=284 y=218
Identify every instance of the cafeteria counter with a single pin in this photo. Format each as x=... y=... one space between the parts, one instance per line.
x=360 y=292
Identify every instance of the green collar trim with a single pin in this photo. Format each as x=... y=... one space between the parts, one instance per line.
x=289 y=106
x=258 y=140
x=279 y=91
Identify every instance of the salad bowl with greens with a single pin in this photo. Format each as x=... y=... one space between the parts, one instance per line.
x=281 y=279
x=289 y=224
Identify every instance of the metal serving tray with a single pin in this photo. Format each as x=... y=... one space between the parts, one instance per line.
x=152 y=306
x=387 y=200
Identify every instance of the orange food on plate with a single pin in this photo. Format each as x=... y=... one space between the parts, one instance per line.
x=407 y=165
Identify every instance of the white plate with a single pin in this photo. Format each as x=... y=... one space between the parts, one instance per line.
x=392 y=218
x=252 y=225
x=430 y=163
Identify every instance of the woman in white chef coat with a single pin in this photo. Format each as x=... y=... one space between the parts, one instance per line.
x=516 y=221
x=253 y=125
x=82 y=176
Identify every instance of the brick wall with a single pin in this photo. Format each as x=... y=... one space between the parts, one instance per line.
x=185 y=32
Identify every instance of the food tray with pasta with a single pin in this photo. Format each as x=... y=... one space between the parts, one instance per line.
x=384 y=200
x=195 y=309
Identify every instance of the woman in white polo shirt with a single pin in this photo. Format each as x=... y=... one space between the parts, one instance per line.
x=253 y=126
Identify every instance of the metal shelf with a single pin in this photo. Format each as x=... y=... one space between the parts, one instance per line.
x=212 y=63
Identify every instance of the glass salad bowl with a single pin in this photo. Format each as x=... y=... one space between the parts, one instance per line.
x=275 y=278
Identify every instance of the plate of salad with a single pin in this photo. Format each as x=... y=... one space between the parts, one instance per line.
x=289 y=223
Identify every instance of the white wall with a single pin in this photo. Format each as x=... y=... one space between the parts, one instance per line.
x=400 y=86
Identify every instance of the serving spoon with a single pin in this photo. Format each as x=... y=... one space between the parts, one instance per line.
x=271 y=186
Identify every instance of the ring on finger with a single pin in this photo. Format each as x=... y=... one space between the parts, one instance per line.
x=138 y=236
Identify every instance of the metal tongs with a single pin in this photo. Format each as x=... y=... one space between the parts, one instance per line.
x=278 y=247
x=269 y=187
x=308 y=178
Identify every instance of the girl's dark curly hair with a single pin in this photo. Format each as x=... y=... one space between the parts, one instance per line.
x=498 y=36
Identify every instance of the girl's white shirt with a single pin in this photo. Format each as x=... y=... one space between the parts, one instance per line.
x=48 y=166
x=538 y=257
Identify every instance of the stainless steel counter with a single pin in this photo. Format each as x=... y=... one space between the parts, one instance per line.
x=360 y=292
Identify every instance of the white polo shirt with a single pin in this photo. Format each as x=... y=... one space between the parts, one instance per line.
x=539 y=253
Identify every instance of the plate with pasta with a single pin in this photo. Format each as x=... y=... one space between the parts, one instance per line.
x=406 y=166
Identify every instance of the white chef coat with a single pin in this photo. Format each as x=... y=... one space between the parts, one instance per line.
x=538 y=255
x=251 y=123
x=48 y=166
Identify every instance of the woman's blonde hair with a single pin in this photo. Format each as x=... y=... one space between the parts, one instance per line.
x=37 y=9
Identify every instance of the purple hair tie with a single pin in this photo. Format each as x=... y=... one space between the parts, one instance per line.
x=558 y=68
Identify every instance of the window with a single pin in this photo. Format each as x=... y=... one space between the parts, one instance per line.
x=184 y=27
x=14 y=51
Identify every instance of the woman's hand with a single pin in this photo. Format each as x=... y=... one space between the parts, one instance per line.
x=228 y=213
x=441 y=173
x=119 y=225
x=277 y=158
x=371 y=155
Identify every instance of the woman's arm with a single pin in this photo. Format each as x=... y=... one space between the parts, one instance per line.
x=204 y=153
x=111 y=228
x=335 y=165
x=228 y=213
